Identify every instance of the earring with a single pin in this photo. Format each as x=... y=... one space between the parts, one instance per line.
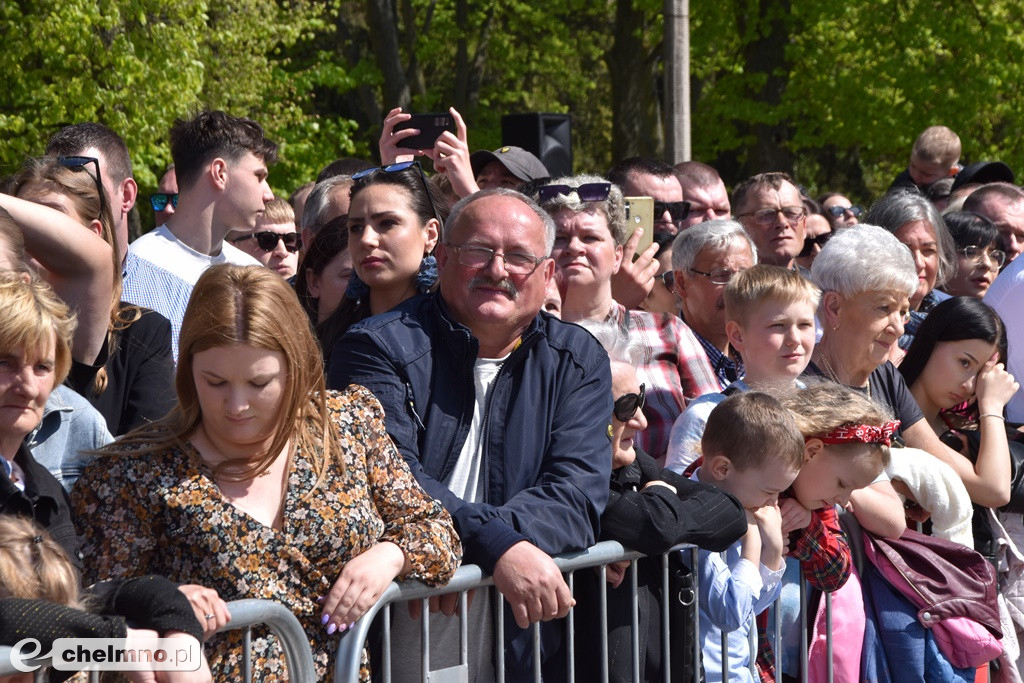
x=611 y=431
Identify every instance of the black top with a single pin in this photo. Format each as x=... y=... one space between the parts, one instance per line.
x=888 y=388
x=149 y=602
x=43 y=500
x=140 y=375
x=654 y=519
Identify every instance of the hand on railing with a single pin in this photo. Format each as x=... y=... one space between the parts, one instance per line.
x=532 y=584
x=211 y=611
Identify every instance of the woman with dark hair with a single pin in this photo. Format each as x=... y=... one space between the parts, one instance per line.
x=325 y=271
x=840 y=211
x=262 y=484
x=393 y=226
x=130 y=378
x=979 y=254
x=817 y=231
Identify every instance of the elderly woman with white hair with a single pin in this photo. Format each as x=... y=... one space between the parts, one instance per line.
x=915 y=222
x=867 y=279
x=590 y=229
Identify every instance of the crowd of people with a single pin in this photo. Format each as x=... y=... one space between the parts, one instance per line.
x=392 y=372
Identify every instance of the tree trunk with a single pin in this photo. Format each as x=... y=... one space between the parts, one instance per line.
x=380 y=17
x=636 y=127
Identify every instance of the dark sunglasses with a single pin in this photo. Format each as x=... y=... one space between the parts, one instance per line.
x=79 y=164
x=678 y=210
x=587 y=192
x=669 y=278
x=627 y=405
x=809 y=243
x=158 y=200
x=838 y=211
x=398 y=168
x=268 y=240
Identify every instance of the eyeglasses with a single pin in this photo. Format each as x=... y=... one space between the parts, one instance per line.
x=809 y=243
x=716 y=277
x=767 y=216
x=587 y=192
x=268 y=240
x=627 y=405
x=79 y=164
x=677 y=210
x=158 y=200
x=516 y=262
x=838 y=211
x=976 y=254
x=669 y=278
x=398 y=168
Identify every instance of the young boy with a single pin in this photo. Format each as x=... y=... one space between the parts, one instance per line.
x=769 y=314
x=743 y=581
x=935 y=155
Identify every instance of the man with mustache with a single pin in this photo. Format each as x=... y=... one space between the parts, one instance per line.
x=501 y=412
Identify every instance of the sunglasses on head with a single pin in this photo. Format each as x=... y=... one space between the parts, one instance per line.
x=158 y=200
x=838 y=211
x=809 y=243
x=268 y=240
x=79 y=164
x=627 y=405
x=398 y=168
x=587 y=192
x=677 y=210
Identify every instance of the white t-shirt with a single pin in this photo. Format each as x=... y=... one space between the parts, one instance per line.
x=160 y=271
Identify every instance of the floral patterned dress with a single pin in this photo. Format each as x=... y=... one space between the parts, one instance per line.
x=163 y=514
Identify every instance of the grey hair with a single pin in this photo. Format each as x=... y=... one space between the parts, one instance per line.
x=460 y=206
x=899 y=207
x=315 y=211
x=620 y=346
x=718 y=234
x=864 y=258
x=613 y=208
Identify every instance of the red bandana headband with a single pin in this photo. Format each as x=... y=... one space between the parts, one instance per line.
x=855 y=433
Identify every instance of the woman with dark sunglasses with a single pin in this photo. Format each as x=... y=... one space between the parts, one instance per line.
x=275 y=243
x=590 y=230
x=649 y=509
x=122 y=353
x=394 y=222
x=817 y=231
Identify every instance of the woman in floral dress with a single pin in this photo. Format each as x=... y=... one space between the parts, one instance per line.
x=261 y=484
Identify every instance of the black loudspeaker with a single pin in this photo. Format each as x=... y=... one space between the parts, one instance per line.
x=549 y=136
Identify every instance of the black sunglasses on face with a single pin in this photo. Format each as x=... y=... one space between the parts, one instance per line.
x=79 y=164
x=587 y=192
x=809 y=243
x=398 y=168
x=627 y=405
x=158 y=200
x=268 y=240
x=677 y=210
x=838 y=211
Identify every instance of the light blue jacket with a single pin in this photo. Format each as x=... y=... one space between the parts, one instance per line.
x=70 y=425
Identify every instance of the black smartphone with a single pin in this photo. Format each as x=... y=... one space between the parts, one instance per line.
x=430 y=127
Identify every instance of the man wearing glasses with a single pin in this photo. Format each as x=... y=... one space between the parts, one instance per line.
x=501 y=413
x=704 y=259
x=114 y=166
x=771 y=210
x=165 y=200
x=221 y=166
x=1003 y=204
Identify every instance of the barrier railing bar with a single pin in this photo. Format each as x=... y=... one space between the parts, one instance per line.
x=804 y=648
x=828 y=630
x=634 y=620
x=499 y=618
x=697 y=644
x=663 y=614
x=464 y=630
x=602 y=601
x=386 y=650
x=425 y=639
x=570 y=672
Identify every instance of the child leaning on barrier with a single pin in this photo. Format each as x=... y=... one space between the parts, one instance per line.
x=752 y=449
x=41 y=599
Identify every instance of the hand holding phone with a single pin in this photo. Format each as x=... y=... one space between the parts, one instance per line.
x=430 y=127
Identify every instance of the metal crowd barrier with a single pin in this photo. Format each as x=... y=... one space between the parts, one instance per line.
x=244 y=615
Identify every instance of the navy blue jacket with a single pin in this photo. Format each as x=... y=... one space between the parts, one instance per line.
x=547 y=459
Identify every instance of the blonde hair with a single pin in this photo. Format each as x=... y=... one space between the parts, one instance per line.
x=751 y=428
x=29 y=313
x=249 y=305
x=937 y=145
x=752 y=287
x=825 y=406
x=34 y=566
x=276 y=211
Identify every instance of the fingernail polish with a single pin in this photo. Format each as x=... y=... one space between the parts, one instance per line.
x=342 y=627
x=324 y=619
x=352 y=624
x=320 y=599
x=331 y=629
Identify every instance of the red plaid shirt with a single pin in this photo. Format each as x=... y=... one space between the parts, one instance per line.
x=825 y=559
x=674 y=371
